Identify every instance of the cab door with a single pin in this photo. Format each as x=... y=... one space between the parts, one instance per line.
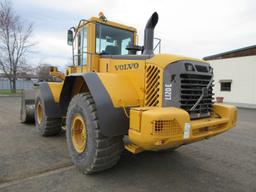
x=81 y=50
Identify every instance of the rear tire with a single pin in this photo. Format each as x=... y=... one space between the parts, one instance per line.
x=47 y=126
x=27 y=114
x=99 y=152
x=27 y=110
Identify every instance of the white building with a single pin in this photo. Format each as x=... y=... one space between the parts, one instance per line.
x=235 y=76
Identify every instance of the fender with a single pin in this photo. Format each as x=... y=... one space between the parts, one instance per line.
x=110 y=109
x=51 y=108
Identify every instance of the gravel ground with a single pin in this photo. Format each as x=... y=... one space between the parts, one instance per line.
x=29 y=162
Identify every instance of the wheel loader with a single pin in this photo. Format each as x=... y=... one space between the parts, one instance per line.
x=117 y=88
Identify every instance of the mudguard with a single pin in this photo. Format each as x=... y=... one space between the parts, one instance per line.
x=112 y=119
x=51 y=108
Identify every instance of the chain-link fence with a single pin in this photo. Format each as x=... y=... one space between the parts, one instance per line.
x=20 y=84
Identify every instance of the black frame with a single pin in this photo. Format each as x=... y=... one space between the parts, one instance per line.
x=225 y=86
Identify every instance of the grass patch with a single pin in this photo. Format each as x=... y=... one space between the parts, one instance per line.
x=8 y=92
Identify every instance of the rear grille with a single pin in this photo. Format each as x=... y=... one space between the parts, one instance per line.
x=190 y=91
x=166 y=128
x=152 y=86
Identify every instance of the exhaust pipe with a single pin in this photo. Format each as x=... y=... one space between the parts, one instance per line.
x=149 y=34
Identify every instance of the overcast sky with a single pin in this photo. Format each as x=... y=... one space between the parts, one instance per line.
x=195 y=28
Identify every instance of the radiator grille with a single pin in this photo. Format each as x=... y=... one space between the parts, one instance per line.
x=191 y=90
x=152 y=86
x=166 y=128
x=201 y=68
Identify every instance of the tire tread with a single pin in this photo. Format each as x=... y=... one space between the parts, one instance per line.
x=108 y=149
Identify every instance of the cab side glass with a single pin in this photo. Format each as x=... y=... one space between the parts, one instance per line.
x=70 y=37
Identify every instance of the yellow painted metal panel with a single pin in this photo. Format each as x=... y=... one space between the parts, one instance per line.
x=164 y=59
x=120 y=89
x=114 y=24
x=133 y=70
x=56 y=90
x=135 y=119
x=223 y=119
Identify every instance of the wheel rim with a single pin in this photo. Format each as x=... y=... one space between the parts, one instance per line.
x=39 y=113
x=78 y=131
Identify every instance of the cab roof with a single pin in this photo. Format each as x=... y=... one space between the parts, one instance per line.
x=110 y=23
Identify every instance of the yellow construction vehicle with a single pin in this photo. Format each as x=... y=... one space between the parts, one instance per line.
x=117 y=88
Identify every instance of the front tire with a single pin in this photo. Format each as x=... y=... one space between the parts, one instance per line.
x=89 y=149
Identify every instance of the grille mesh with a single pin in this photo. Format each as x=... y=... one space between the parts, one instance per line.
x=201 y=68
x=152 y=86
x=191 y=90
x=166 y=128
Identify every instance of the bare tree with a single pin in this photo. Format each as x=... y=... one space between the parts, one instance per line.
x=15 y=44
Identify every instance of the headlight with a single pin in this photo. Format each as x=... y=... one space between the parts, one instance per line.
x=189 y=67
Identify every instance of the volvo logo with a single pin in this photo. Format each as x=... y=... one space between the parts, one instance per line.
x=129 y=66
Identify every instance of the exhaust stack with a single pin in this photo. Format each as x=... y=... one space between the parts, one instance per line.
x=149 y=34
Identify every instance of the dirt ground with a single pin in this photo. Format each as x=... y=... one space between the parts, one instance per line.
x=29 y=162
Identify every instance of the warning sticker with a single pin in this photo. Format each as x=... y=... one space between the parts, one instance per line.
x=186 y=131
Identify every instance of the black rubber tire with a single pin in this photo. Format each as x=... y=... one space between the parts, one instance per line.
x=48 y=126
x=101 y=152
x=27 y=114
x=27 y=111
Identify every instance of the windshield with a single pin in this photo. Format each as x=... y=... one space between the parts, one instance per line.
x=111 y=40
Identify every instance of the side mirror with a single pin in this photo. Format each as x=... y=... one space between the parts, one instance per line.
x=70 y=37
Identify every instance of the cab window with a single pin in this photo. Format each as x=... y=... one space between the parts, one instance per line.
x=81 y=47
x=112 y=40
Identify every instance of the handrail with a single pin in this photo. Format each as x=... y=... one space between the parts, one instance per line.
x=158 y=45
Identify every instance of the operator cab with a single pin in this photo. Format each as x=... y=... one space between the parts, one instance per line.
x=97 y=37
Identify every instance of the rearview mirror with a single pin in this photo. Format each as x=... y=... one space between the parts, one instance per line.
x=70 y=37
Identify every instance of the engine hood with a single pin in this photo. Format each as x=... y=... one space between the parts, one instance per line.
x=162 y=60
